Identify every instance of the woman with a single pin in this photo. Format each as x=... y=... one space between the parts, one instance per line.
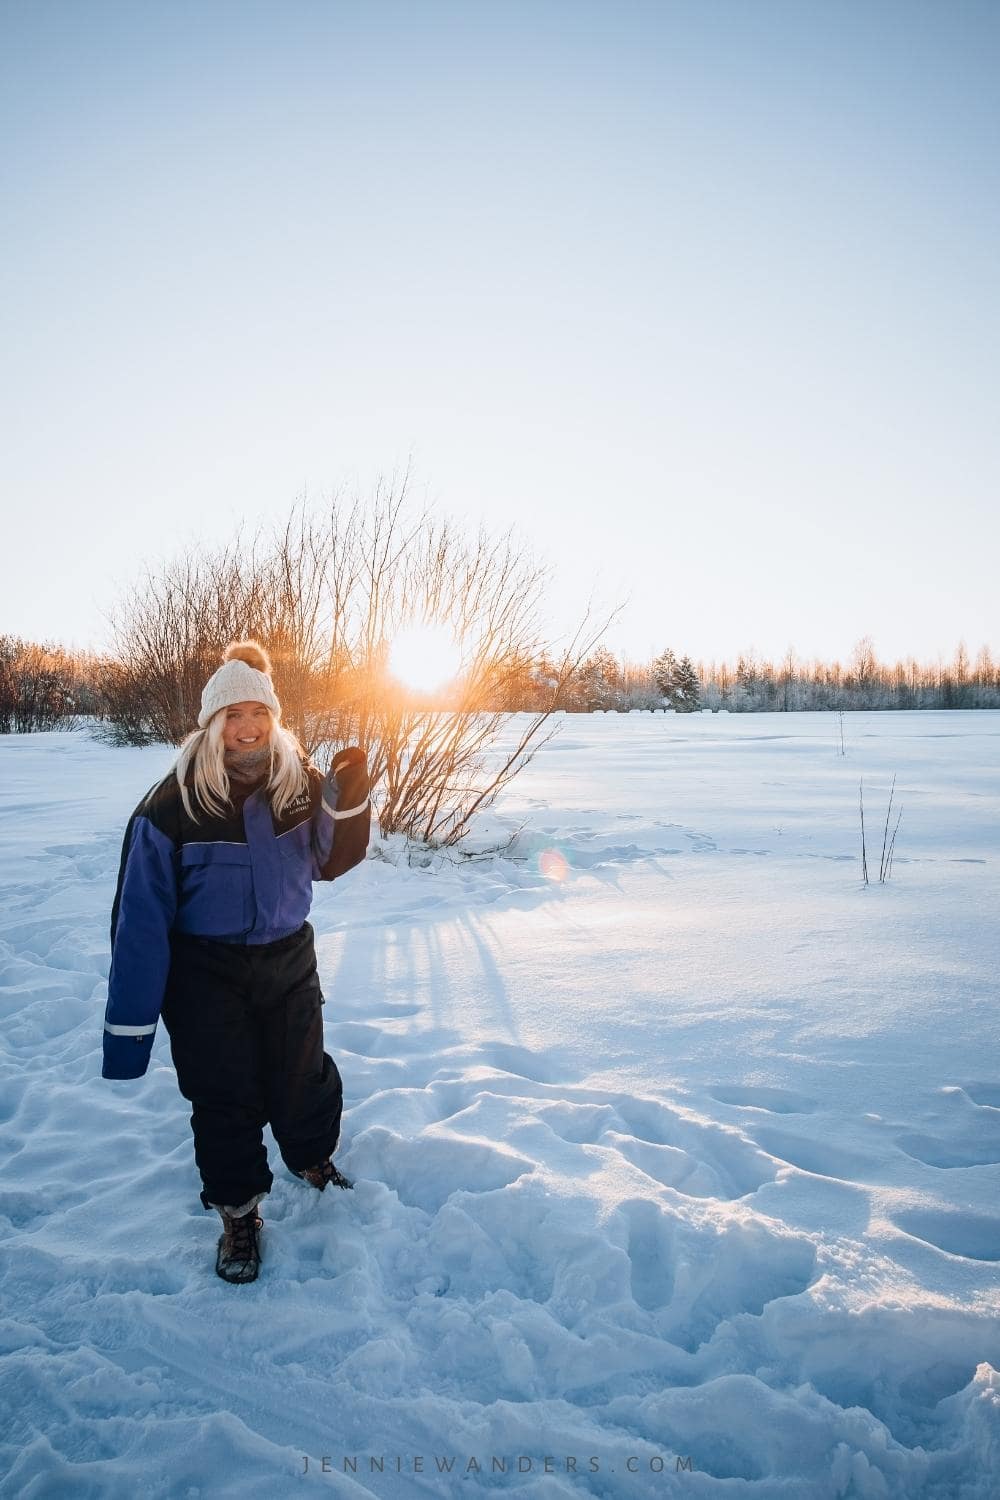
x=209 y=929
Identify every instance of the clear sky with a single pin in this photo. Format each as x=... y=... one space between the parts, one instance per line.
x=699 y=295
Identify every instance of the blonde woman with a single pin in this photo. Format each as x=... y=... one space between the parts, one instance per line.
x=209 y=930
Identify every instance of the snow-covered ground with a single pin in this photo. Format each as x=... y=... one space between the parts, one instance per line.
x=672 y=1141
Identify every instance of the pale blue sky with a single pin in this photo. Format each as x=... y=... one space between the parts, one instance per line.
x=700 y=295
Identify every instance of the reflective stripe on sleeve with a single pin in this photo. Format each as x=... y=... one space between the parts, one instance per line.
x=129 y=1030
x=349 y=812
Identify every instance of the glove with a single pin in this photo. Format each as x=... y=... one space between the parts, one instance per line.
x=349 y=773
x=352 y=756
x=349 y=810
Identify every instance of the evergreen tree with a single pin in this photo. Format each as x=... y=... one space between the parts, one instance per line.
x=688 y=687
x=746 y=673
x=665 y=669
x=601 y=680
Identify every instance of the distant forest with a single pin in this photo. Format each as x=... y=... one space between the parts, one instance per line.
x=43 y=686
x=754 y=685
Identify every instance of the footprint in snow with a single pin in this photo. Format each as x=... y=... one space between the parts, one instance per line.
x=972 y=1236
x=377 y=1041
x=697 y=1158
x=936 y=1152
x=821 y=1158
x=537 y=1067
x=970 y=1139
x=693 y=1277
x=426 y=1172
x=987 y=1095
x=775 y=1101
x=390 y=1011
x=22 y=1211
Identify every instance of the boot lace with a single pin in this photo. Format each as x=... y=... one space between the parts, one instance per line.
x=325 y=1173
x=240 y=1245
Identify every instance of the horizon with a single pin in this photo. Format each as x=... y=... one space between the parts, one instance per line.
x=801 y=661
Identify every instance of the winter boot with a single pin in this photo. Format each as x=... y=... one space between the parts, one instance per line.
x=322 y=1174
x=238 y=1257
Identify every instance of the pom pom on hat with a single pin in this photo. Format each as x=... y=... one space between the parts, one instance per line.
x=244 y=677
x=252 y=652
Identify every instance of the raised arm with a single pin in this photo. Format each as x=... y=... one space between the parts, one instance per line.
x=342 y=822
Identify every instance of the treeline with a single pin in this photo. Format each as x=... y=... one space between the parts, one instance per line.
x=44 y=686
x=752 y=685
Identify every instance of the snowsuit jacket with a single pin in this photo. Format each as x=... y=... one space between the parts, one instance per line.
x=245 y=877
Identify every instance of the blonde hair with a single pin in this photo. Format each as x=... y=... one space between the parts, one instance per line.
x=204 y=749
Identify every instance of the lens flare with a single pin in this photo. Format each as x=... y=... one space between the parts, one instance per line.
x=553 y=864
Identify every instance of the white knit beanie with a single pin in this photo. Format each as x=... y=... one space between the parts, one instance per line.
x=244 y=677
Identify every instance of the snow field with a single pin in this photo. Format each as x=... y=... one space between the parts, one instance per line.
x=670 y=1138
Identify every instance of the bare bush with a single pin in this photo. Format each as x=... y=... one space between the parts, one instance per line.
x=37 y=686
x=168 y=633
x=328 y=593
x=436 y=757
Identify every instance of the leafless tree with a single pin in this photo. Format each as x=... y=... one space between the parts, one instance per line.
x=328 y=593
x=37 y=682
x=437 y=757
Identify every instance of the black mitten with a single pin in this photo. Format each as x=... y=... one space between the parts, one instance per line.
x=350 y=772
x=352 y=756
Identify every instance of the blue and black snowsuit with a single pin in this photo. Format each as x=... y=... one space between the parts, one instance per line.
x=209 y=930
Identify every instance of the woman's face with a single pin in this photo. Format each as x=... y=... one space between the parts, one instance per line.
x=247 y=726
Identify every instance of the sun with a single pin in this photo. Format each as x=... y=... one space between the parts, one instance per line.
x=424 y=657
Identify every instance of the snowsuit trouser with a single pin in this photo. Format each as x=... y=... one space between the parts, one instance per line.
x=246 y=1037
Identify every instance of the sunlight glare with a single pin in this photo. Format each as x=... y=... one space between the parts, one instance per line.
x=424 y=657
